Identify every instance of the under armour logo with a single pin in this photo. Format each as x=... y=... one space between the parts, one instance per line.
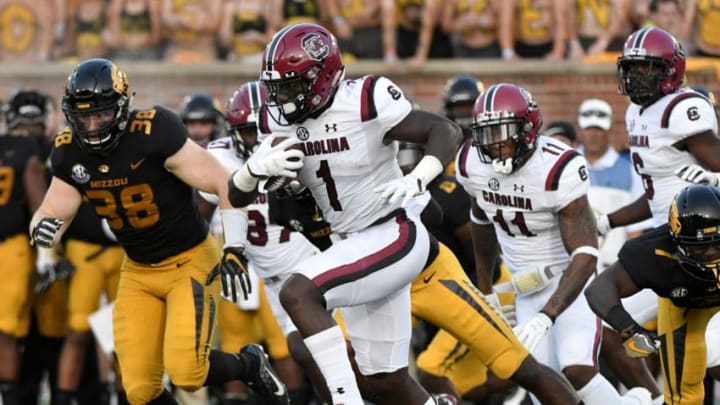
x=340 y=390
x=520 y=188
x=329 y=128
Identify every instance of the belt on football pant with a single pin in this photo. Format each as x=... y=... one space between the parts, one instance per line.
x=530 y=281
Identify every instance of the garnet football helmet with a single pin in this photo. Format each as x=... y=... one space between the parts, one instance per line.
x=242 y=116
x=694 y=221
x=461 y=90
x=651 y=66
x=96 y=90
x=505 y=112
x=301 y=68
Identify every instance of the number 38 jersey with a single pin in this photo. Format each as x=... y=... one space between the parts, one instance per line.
x=346 y=155
x=523 y=206
x=271 y=249
x=153 y=213
x=653 y=131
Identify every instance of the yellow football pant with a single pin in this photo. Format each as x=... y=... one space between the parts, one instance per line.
x=163 y=320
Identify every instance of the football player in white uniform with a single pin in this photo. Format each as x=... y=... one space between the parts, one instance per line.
x=672 y=134
x=349 y=163
x=530 y=196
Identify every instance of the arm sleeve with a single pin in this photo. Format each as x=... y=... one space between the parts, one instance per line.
x=574 y=181
x=691 y=116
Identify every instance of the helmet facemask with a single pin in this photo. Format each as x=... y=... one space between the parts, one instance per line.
x=98 y=127
x=642 y=78
x=294 y=97
x=700 y=260
x=491 y=136
x=241 y=135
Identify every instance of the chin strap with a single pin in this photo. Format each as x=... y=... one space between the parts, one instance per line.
x=503 y=166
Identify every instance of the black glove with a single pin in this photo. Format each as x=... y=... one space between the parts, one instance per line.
x=233 y=272
x=45 y=278
x=43 y=234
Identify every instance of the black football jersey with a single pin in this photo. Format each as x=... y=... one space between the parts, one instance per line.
x=15 y=151
x=153 y=213
x=86 y=226
x=455 y=204
x=650 y=261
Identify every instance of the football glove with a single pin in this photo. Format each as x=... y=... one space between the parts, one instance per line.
x=697 y=175
x=531 y=332
x=603 y=224
x=639 y=342
x=44 y=232
x=48 y=269
x=270 y=160
x=233 y=273
x=507 y=311
x=404 y=188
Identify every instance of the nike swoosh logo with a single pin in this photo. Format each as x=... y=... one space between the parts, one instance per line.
x=281 y=387
x=428 y=278
x=182 y=263
x=137 y=164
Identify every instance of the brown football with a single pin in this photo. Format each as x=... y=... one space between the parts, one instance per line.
x=275 y=182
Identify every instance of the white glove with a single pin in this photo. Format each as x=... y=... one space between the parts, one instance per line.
x=44 y=232
x=697 y=175
x=507 y=311
x=531 y=332
x=405 y=187
x=270 y=160
x=603 y=224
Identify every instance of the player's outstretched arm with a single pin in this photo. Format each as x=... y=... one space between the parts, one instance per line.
x=579 y=235
x=57 y=210
x=605 y=291
x=199 y=169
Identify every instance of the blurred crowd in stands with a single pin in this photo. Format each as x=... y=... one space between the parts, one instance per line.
x=397 y=31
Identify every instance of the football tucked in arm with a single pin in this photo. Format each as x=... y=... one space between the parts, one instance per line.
x=276 y=182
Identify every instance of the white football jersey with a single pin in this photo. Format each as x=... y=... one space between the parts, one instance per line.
x=523 y=206
x=271 y=249
x=346 y=157
x=652 y=133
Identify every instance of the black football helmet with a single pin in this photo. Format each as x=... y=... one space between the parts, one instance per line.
x=27 y=107
x=694 y=221
x=461 y=90
x=97 y=90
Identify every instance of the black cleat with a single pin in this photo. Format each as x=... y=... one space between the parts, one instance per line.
x=264 y=381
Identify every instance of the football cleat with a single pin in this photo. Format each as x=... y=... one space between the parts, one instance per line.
x=265 y=381
x=445 y=399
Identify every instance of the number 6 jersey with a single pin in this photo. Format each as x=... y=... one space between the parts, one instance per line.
x=523 y=206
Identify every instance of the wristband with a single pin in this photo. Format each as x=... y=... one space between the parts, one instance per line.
x=427 y=169
x=619 y=319
x=588 y=250
x=243 y=180
x=508 y=53
x=235 y=226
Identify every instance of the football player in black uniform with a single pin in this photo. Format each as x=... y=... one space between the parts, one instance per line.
x=22 y=185
x=202 y=115
x=680 y=262
x=138 y=170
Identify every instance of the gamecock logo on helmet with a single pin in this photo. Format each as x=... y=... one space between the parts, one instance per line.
x=314 y=47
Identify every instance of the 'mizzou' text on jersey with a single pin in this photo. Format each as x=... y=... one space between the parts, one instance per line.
x=507 y=200
x=325 y=146
x=109 y=183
